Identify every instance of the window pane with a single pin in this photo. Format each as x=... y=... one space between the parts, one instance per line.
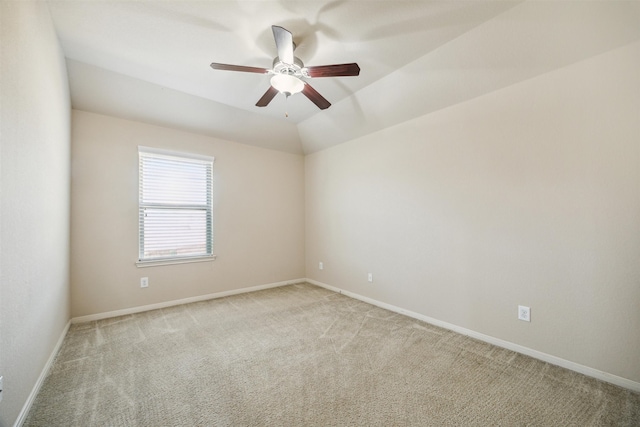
x=176 y=182
x=174 y=232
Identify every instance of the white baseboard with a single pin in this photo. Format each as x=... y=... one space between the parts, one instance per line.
x=554 y=360
x=140 y=309
x=45 y=371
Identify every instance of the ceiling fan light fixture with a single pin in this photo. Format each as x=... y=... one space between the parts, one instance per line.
x=287 y=84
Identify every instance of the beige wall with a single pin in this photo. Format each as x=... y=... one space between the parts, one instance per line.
x=258 y=217
x=528 y=195
x=34 y=210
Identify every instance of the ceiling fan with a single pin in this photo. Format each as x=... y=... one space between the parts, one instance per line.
x=289 y=72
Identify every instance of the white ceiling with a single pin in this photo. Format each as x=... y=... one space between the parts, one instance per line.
x=149 y=61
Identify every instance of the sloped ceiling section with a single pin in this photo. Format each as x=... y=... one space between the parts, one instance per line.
x=105 y=92
x=149 y=61
x=524 y=42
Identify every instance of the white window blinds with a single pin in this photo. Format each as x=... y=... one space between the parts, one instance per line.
x=175 y=209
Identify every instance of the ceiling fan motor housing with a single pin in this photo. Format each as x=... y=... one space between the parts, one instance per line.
x=297 y=69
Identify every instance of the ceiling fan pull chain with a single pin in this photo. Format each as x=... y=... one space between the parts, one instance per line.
x=286 y=98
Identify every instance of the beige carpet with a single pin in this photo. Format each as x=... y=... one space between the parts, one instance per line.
x=301 y=355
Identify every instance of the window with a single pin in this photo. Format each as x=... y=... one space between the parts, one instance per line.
x=175 y=207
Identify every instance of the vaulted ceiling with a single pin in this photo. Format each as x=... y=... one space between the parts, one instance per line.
x=149 y=61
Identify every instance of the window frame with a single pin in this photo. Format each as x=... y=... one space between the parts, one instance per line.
x=176 y=259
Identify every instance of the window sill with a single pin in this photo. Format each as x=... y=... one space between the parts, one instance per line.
x=154 y=263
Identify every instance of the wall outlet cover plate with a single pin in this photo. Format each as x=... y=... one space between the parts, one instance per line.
x=524 y=313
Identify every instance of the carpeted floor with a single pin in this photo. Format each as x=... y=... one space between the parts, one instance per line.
x=301 y=355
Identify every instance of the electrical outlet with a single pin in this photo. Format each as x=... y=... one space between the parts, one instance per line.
x=320 y=266
x=524 y=313
x=144 y=282
x=370 y=277
x=1 y=388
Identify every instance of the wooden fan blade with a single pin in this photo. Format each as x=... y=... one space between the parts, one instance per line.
x=338 y=70
x=284 y=43
x=227 y=67
x=267 y=97
x=315 y=97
